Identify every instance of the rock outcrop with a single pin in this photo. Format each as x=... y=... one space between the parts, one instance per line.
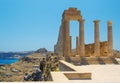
x=42 y=51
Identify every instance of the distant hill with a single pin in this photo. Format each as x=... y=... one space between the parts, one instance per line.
x=42 y=51
x=11 y=55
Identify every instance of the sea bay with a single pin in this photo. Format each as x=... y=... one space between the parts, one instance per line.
x=7 y=61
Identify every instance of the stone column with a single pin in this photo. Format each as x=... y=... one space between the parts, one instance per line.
x=96 y=38
x=110 y=39
x=77 y=45
x=67 y=38
x=70 y=50
x=81 y=39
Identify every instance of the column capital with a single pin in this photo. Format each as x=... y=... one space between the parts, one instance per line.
x=81 y=20
x=96 y=21
x=109 y=23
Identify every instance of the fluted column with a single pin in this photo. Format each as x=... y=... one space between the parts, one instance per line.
x=96 y=38
x=81 y=39
x=110 y=39
x=77 y=45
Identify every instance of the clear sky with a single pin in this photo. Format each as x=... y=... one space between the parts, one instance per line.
x=27 y=25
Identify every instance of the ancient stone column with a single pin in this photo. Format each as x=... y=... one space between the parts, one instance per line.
x=70 y=50
x=110 y=39
x=96 y=38
x=67 y=38
x=77 y=45
x=81 y=39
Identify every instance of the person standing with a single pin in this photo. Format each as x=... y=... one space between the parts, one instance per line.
x=42 y=65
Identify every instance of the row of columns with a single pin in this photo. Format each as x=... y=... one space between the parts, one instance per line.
x=80 y=46
x=97 y=39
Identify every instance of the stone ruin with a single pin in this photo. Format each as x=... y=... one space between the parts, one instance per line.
x=97 y=49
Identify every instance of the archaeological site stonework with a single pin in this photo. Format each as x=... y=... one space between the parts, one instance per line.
x=97 y=49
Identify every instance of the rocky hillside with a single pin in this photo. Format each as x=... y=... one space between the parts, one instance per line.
x=16 y=71
x=8 y=55
x=42 y=51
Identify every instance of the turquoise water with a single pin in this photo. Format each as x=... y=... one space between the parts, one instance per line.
x=7 y=61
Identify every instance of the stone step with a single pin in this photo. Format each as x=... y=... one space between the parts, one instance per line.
x=107 y=60
x=83 y=61
x=98 y=60
x=93 y=62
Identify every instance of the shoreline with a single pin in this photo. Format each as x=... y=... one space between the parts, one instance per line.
x=8 y=61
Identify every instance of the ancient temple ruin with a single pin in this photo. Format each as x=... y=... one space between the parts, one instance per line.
x=97 y=49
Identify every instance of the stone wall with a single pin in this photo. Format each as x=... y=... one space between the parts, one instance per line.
x=64 y=67
x=89 y=49
x=58 y=48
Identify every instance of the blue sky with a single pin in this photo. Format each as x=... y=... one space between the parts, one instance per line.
x=31 y=24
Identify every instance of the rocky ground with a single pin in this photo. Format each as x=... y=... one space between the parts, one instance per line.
x=16 y=71
x=117 y=53
x=117 y=56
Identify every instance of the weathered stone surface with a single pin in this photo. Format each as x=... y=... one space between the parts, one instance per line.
x=77 y=46
x=81 y=39
x=89 y=49
x=97 y=49
x=110 y=39
x=97 y=38
x=63 y=46
x=78 y=76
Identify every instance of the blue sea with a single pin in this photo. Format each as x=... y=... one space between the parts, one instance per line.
x=7 y=61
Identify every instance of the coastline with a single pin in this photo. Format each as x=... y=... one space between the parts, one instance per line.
x=8 y=61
